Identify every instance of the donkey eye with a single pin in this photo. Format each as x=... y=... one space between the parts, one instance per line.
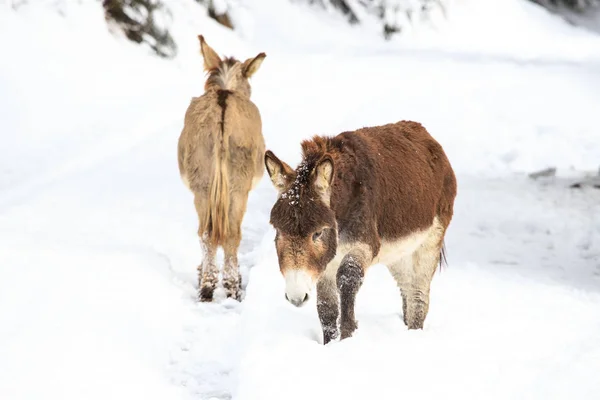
x=317 y=235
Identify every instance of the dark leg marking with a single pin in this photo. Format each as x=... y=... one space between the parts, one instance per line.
x=328 y=308
x=349 y=280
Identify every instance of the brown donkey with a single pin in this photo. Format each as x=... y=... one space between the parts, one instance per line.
x=383 y=194
x=220 y=155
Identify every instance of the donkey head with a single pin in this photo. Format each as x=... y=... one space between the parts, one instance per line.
x=306 y=239
x=228 y=74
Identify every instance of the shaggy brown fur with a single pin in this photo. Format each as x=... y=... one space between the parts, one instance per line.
x=379 y=194
x=220 y=155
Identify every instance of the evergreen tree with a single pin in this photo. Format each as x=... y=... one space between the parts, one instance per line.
x=137 y=19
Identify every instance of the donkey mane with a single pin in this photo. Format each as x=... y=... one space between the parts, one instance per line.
x=223 y=75
x=313 y=150
x=316 y=148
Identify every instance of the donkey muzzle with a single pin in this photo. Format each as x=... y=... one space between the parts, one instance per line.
x=298 y=285
x=297 y=301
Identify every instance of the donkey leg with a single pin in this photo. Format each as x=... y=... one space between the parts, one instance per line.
x=349 y=280
x=208 y=273
x=232 y=281
x=413 y=275
x=402 y=271
x=417 y=307
x=328 y=307
x=424 y=262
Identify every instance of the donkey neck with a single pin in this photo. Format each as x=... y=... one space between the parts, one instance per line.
x=215 y=87
x=228 y=76
x=354 y=190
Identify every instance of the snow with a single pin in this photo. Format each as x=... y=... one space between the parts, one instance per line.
x=99 y=250
x=510 y=28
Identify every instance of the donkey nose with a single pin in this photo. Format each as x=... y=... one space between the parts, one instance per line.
x=297 y=301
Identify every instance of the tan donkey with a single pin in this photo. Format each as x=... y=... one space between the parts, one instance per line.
x=220 y=156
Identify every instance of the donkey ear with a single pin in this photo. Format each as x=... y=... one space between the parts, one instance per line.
x=211 y=58
x=323 y=178
x=279 y=171
x=251 y=65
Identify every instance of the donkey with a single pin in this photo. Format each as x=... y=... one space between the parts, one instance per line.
x=381 y=194
x=220 y=155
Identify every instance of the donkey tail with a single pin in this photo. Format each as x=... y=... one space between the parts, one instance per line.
x=443 y=258
x=219 y=196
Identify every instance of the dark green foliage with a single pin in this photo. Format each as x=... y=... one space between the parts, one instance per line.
x=386 y=11
x=582 y=13
x=345 y=9
x=136 y=18
x=575 y=5
x=223 y=19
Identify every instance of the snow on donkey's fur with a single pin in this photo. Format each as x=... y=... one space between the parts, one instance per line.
x=220 y=156
x=376 y=195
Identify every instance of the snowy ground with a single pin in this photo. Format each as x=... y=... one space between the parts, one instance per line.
x=98 y=235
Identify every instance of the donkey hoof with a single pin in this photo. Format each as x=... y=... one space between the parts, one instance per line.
x=415 y=325
x=233 y=289
x=234 y=294
x=348 y=330
x=346 y=334
x=206 y=294
x=330 y=335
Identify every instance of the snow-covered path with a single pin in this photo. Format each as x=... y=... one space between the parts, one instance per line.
x=517 y=306
x=99 y=249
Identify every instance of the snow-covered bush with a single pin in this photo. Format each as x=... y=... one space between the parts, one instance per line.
x=219 y=10
x=393 y=15
x=142 y=21
x=584 y=13
x=577 y=5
